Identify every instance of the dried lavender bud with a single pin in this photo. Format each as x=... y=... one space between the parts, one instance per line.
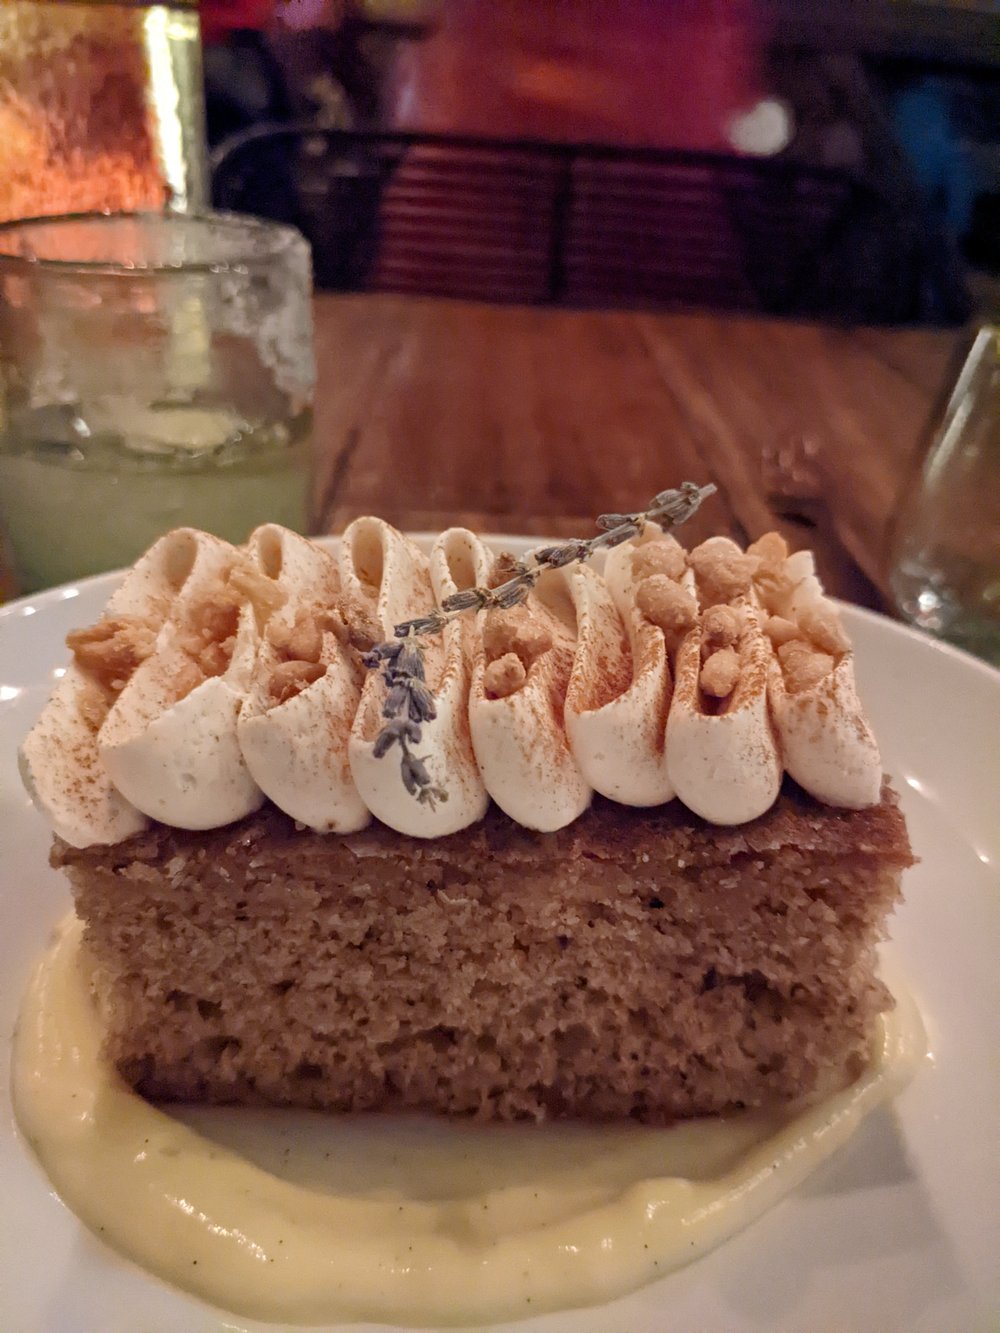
x=432 y=624
x=431 y=795
x=415 y=774
x=557 y=557
x=678 y=505
x=421 y=703
x=397 y=732
x=381 y=652
x=410 y=663
x=608 y=521
x=467 y=600
x=615 y=536
x=384 y=742
x=396 y=699
x=512 y=593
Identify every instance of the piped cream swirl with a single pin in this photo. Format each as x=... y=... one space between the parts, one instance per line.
x=826 y=742
x=520 y=739
x=723 y=758
x=386 y=580
x=295 y=747
x=613 y=683
x=61 y=761
x=173 y=751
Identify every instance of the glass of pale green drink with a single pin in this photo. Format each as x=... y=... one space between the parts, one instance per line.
x=156 y=371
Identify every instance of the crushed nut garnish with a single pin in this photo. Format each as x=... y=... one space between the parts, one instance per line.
x=667 y=605
x=720 y=627
x=802 y=666
x=110 y=650
x=504 y=676
x=721 y=574
x=659 y=557
x=822 y=627
x=289 y=679
x=720 y=673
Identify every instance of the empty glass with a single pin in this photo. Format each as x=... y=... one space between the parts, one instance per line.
x=945 y=573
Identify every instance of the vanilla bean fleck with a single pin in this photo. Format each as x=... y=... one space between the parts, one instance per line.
x=409 y=702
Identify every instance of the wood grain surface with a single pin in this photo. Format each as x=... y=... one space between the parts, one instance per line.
x=513 y=419
x=516 y=419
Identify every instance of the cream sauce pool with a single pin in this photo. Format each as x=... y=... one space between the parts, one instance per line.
x=303 y=1218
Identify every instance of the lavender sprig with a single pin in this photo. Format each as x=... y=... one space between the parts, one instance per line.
x=409 y=702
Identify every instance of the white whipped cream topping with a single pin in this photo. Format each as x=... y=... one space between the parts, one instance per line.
x=179 y=760
x=724 y=764
x=59 y=760
x=386 y=578
x=520 y=740
x=599 y=708
x=826 y=742
x=827 y=745
x=296 y=750
x=630 y=729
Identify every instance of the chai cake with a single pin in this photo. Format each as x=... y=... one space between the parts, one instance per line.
x=617 y=844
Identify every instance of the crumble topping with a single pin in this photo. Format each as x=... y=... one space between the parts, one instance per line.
x=299 y=645
x=263 y=593
x=207 y=636
x=720 y=672
x=302 y=640
x=773 y=583
x=667 y=605
x=802 y=666
x=290 y=678
x=779 y=630
x=659 y=557
x=504 y=676
x=771 y=550
x=823 y=629
x=722 y=574
x=513 y=634
x=721 y=626
x=107 y=653
x=110 y=650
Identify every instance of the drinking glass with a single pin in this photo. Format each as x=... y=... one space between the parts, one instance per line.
x=945 y=573
x=156 y=370
x=101 y=107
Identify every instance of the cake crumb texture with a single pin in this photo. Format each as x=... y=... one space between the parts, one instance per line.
x=638 y=963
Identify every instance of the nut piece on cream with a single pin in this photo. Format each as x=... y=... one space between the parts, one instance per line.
x=295 y=722
x=721 y=750
x=621 y=685
x=826 y=742
x=59 y=760
x=169 y=744
x=520 y=739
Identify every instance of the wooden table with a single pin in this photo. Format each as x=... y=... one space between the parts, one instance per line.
x=511 y=419
x=514 y=419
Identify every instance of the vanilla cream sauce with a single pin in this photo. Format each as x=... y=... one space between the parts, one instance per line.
x=304 y=1218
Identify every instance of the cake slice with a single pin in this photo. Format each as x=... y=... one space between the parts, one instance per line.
x=615 y=844
x=635 y=963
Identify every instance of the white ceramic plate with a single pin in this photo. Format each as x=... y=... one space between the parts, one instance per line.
x=899 y=1231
